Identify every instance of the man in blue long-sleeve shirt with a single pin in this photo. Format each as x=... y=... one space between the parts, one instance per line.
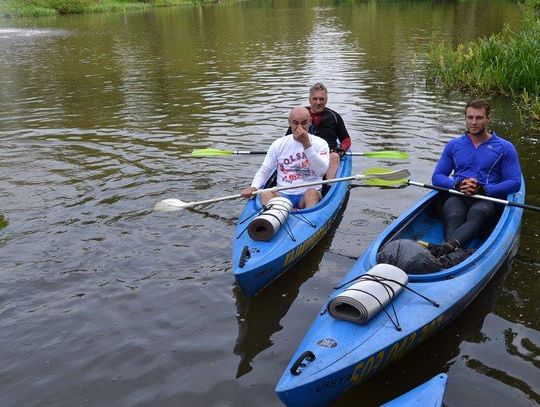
x=480 y=163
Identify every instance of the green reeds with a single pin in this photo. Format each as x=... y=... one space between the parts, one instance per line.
x=37 y=8
x=507 y=63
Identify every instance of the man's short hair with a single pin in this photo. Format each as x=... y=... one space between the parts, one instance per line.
x=318 y=86
x=479 y=104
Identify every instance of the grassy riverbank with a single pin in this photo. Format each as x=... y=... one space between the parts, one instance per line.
x=36 y=8
x=507 y=63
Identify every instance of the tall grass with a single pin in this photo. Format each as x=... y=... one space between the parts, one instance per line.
x=507 y=63
x=36 y=8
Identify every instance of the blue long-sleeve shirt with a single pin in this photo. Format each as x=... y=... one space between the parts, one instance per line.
x=494 y=164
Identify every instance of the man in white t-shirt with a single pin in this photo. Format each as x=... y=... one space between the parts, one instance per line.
x=299 y=157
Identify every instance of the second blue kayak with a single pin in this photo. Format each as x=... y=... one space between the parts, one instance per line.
x=337 y=354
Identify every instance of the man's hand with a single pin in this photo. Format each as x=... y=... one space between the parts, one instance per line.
x=248 y=192
x=339 y=151
x=301 y=135
x=468 y=186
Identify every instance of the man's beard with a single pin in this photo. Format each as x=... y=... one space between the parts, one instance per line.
x=478 y=132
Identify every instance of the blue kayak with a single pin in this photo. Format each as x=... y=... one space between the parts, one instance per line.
x=428 y=394
x=257 y=263
x=337 y=354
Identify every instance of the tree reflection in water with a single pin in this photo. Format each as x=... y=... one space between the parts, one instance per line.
x=258 y=317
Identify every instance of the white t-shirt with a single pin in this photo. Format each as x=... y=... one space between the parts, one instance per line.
x=294 y=164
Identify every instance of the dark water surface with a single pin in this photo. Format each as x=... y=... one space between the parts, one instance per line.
x=104 y=302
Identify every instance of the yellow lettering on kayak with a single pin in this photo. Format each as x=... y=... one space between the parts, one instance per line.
x=371 y=365
x=307 y=245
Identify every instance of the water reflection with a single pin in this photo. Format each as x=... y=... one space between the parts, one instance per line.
x=7 y=33
x=3 y=221
x=259 y=317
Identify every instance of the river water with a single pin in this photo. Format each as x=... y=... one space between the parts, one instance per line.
x=104 y=302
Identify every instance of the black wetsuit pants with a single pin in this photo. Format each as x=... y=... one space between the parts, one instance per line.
x=467 y=218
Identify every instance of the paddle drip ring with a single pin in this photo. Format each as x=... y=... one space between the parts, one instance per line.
x=271 y=219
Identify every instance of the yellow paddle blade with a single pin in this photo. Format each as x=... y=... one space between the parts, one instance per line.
x=381 y=182
x=210 y=152
x=399 y=155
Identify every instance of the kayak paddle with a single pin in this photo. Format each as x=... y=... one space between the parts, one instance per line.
x=214 y=152
x=482 y=197
x=173 y=204
x=382 y=182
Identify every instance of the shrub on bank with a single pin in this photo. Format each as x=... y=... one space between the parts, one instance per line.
x=71 y=6
x=8 y=10
x=36 y=8
x=507 y=63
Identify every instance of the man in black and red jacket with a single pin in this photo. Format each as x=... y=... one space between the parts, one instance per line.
x=328 y=125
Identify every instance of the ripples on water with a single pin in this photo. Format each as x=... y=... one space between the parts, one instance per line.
x=106 y=302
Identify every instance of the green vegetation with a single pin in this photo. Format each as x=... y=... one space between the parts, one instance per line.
x=3 y=222
x=36 y=8
x=507 y=63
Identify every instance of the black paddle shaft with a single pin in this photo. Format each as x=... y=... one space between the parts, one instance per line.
x=483 y=197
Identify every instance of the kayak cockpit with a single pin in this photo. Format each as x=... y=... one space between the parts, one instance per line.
x=424 y=224
x=328 y=192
